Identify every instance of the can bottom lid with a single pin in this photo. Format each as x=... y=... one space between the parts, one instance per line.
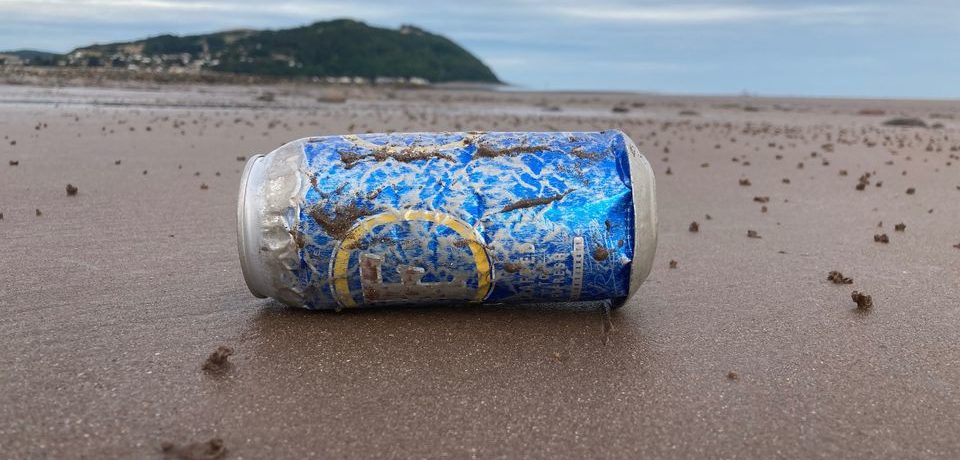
x=644 y=191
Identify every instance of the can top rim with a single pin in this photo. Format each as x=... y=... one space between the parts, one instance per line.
x=246 y=228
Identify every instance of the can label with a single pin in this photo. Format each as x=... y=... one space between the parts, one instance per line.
x=464 y=217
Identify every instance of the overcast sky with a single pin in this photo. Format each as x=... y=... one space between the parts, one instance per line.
x=907 y=48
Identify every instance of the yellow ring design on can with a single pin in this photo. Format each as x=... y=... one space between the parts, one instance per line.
x=341 y=259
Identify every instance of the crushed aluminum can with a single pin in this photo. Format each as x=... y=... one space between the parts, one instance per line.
x=338 y=222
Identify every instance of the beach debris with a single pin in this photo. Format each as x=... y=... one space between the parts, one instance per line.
x=511 y=267
x=533 y=202
x=204 y=186
x=911 y=191
x=881 y=238
x=339 y=223
x=72 y=190
x=838 y=278
x=906 y=122
x=213 y=449
x=753 y=234
x=673 y=263
x=900 y=227
x=694 y=227
x=745 y=182
x=600 y=253
x=761 y=199
x=14 y=162
x=407 y=155
x=218 y=361
x=864 y=302
x=733 y=376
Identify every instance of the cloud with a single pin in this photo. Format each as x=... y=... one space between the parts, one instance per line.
x=712 y=13
x=147 y=10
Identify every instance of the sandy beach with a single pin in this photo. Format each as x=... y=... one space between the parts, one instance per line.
x=111 y=299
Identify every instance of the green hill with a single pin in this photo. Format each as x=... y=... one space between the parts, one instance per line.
x=33 y=56
x=335 y=48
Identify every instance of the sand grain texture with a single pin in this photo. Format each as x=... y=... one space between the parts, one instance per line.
x=110 y=299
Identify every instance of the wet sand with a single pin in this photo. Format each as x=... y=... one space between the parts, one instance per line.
x=111 y=300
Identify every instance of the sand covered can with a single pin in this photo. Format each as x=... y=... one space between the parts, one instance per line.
x=338 y=222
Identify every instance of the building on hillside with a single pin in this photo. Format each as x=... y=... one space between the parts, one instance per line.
x=10 y=60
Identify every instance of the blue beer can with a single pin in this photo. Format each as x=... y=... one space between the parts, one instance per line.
x=336 y=222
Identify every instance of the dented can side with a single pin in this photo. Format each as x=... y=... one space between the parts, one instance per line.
x=377 y=219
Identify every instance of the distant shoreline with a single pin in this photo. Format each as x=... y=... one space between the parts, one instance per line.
x=46 y=76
